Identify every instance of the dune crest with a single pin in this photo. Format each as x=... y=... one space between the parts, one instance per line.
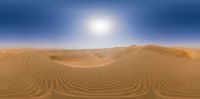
x=135 y=72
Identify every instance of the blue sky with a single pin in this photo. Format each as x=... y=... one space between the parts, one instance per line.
x=59 y=23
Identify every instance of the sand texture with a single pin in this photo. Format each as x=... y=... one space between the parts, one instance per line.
x=134 y=72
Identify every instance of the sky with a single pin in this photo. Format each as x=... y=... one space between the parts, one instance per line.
x=61 y=23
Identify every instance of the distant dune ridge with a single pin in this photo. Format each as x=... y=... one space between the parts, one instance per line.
x=134 y=72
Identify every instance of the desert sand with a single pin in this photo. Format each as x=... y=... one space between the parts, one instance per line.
x=134 y=72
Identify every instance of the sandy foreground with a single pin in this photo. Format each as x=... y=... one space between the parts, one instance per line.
x=134 y=72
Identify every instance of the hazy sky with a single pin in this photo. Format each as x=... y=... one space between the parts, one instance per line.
x=60 y=23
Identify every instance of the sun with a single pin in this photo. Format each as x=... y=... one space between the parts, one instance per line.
x=100 y=26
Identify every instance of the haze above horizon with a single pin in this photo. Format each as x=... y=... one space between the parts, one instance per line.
x=98 y=23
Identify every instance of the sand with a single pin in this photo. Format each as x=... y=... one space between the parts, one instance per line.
x=134 y=72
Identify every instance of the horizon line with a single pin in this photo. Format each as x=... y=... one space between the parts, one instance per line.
x=139 y=45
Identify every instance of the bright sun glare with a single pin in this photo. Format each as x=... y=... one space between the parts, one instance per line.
x=100 y=26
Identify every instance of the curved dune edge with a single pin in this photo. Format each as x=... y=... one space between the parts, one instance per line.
x=140 y=74
x=89 y=58
x=102 y=57
x=77 y=65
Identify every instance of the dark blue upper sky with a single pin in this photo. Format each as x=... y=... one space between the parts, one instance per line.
x=59 y=23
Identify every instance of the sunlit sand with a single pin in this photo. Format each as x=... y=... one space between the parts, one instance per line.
x=134 y=72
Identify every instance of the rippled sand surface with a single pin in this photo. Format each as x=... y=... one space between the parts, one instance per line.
x=149 y=72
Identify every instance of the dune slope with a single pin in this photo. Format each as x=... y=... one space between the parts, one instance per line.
x=141 y=74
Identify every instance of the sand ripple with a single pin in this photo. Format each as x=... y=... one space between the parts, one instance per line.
x=127 y=78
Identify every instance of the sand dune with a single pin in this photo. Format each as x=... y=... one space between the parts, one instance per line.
x=135 y=72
